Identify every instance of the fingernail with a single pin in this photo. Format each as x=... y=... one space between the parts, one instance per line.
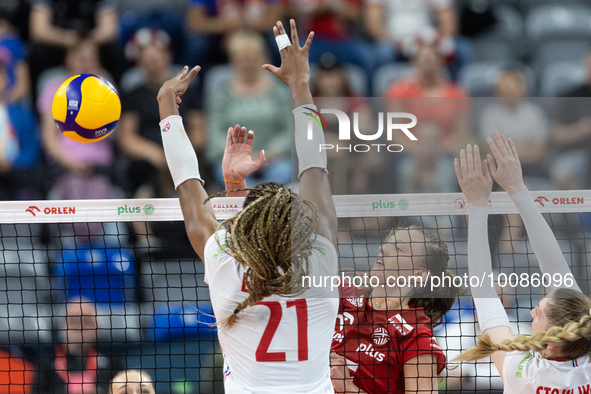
x=263 y=153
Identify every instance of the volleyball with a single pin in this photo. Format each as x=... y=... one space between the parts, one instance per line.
x=86 y=108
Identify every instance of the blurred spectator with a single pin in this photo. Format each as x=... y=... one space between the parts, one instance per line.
x=399 y=26
x=19 y=148
x=333 y=23
x=56 y=25
x=571 y=137
x=426 y=168
x=168 y=16
x=75 y=365
x=83 y=170
x=140 y=137
x=330 y=87
x=257 y=101
x=13 y=56
x=132 y=381
x=16 y=374
x=524 y=121
x=430 y=96
x=209 y=21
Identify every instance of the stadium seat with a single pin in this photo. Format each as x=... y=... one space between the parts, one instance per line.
x=387 y=74
x=181 y=321
x=553 y=51
x=568 y=21
x=527 y=5
x=505 y=41
x=24 y=323
x=558 y=78
x=480 y=79
x=104 y=275
x=175 y=297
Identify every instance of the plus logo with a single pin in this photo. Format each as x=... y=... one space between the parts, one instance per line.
x=541 y=200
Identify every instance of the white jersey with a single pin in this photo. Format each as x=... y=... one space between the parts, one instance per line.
x=282 y=344
x=529 y=373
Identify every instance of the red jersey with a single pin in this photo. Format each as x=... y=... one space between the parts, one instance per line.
x=377 y=343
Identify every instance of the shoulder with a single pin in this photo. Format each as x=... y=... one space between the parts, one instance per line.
x=404 y=87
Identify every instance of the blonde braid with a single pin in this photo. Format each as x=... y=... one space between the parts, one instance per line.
x=554 y=336
x=263 y=242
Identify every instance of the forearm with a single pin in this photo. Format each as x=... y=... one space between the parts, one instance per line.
x=448 y=21
x=300 y=93
x=351 y=388
x=565 y=135
x=200 y=22
x=488 y=306
x=106 y=27
x=542 y=239
x=42 y=29
x=235 y=186
x=23 y=82
x=167 y=103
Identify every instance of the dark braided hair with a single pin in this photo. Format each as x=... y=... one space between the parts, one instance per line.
x=272 y=238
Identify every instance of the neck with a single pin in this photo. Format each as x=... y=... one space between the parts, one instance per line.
x=249 y=79
x=381 y=301
x=428 y=80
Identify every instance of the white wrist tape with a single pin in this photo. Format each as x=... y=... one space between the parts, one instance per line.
x=283 y=41
x=309 y=146
x=180 y=155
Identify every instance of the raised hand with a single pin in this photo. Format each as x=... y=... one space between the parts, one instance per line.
x=507 y=173
x=295 y=67
x=180 y=82
x=237 y=163
x=474 y=176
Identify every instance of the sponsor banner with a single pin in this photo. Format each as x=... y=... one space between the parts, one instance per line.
x=82 y=211
x=168 y=209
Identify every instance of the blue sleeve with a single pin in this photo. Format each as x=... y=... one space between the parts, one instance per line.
x=25 y=126
x=18 y=49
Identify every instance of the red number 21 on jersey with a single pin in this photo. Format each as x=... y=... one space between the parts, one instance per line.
x=262 y=352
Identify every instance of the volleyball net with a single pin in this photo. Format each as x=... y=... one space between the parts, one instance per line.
x=129 y=263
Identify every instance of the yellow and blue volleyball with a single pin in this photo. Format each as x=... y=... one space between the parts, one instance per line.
x=86 y=108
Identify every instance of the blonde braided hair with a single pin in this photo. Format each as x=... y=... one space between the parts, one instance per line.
x=272 y=238
x=569 y=313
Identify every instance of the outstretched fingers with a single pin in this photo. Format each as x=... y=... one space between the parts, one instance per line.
x=294 y=33
x=470 y=158
x=463 y=164
x=229 y=137
x=458 y=170
x=477 y=161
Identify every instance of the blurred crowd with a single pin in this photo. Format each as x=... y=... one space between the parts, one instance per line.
x=363 y=48
x=464 y=67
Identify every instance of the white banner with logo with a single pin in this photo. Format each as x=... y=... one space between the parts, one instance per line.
x=168 y=209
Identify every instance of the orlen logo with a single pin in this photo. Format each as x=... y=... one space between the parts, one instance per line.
x=32 y=209
x=461 y=202
x=561 y=201
x=52 y=210
x=345 y=130
x=541 y=199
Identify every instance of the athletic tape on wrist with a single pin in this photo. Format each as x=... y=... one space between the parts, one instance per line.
x=179 y=152
x=283 y=41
